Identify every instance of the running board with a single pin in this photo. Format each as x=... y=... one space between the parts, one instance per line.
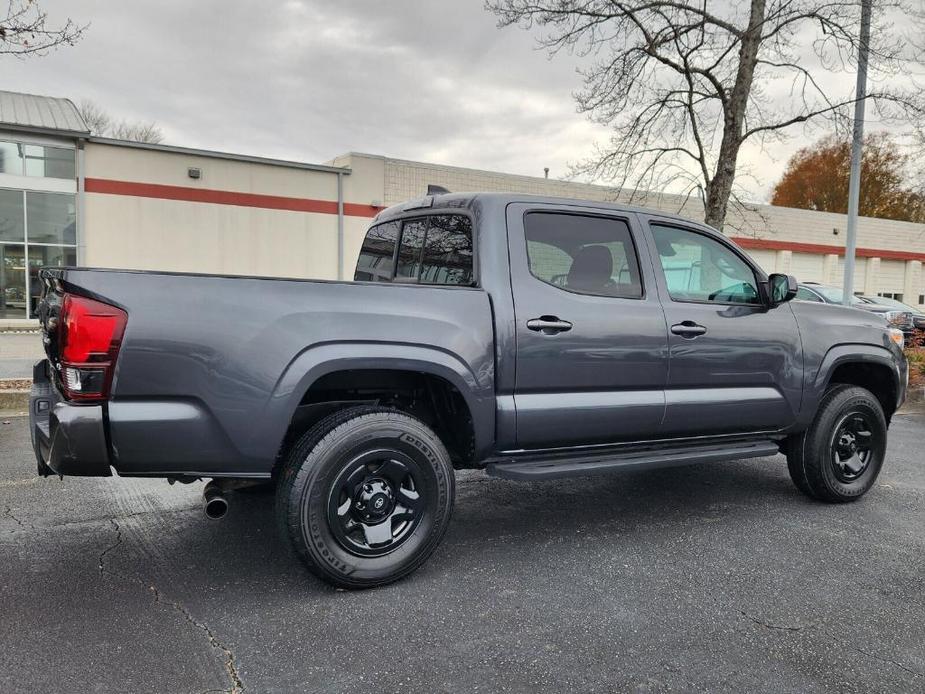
x=556 y=468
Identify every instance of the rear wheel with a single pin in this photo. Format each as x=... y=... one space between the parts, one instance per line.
x=839 y=457
x=365 y=496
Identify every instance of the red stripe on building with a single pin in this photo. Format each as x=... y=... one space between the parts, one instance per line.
x=774 y=245
x=224 y=197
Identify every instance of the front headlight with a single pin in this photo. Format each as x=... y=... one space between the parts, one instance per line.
x=897 y=317
x=897 y=336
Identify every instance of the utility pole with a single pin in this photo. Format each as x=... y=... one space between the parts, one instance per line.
x=857 y=143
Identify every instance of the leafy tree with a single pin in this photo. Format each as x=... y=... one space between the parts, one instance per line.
x=817 y=179
x=684 y=84
x=101 y=123
x=25 y=30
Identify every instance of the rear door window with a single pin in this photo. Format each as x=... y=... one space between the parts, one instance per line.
x=583 y=254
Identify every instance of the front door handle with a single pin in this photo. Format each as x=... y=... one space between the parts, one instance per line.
x=688 y=328
x=548 y=325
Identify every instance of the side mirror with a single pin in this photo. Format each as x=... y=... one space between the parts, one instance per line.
x=781 y=288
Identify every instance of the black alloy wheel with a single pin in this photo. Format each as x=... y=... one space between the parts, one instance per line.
x=839 y=456
x=852 y=446
x=365 y=496
x=375 y=503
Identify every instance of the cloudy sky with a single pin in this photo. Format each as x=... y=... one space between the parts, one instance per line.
x=433 y=81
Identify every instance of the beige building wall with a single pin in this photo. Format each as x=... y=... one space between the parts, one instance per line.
x=155 y=233
x=148 y=234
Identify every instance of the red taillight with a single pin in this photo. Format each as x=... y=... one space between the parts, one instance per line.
x=89 y=341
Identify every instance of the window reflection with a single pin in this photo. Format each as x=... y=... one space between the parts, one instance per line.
x=12 y=281
x=12 y=220
x=52 y=217
x=11 y=158
x=50 y=162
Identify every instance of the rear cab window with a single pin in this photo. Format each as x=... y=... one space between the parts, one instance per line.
x=436 y=249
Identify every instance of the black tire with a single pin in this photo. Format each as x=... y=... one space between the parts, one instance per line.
x=838 y=458
x=357 y=459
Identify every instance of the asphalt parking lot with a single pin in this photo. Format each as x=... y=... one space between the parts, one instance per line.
x=712 y=578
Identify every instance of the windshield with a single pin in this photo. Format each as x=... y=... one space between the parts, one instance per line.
x=833 y=295
x=892 y=303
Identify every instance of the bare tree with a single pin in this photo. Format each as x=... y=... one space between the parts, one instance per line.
x=684 y=84
x=137 y=132
x=25 y=30
x=101 y=123
x=98 y=121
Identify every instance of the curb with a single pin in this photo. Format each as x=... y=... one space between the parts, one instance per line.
x=17 y=400
x=915 y=395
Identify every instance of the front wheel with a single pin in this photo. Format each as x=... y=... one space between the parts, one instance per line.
x=839 y=457
x=366 y=496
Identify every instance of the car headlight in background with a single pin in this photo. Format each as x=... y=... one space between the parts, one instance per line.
x=898 y=318
x=897 y=336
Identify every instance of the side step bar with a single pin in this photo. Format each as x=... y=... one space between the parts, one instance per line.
x=557 y=468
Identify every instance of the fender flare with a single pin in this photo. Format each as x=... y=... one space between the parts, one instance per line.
x=847 y=353
x=321 y=359
x=836 y=356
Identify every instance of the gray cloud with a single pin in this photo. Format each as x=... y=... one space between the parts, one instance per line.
x=308 y=79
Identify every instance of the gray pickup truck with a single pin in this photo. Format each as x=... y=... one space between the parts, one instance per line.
x=537 y=338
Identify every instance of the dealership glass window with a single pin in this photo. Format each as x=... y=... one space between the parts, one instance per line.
x=50 y=162
x=12 y=219
x=12 y=281
x=11 y=158
x=51 y=217
x=42 y=227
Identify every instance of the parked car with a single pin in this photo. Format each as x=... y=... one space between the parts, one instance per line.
x=536 y=338
x=897 y=317
x=917 y=315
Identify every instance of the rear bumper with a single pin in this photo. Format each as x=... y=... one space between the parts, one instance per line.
x=68 y=439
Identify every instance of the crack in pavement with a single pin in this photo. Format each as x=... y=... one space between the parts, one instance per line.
x=111 y=547
x=9 y=513
x=833 y=637
x=887 y=661
x=777 y=627
x=237 y=685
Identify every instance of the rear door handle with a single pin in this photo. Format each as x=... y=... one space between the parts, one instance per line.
x=548 y=325
x=688 y=328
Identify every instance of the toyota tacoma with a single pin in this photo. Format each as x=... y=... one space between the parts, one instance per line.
x=535 y=338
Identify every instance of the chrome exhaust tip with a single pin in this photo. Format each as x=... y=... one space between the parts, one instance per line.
x=215 y=503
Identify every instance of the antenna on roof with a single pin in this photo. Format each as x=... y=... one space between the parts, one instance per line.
x=436 y=190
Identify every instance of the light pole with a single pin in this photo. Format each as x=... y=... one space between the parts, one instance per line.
x=857 y=142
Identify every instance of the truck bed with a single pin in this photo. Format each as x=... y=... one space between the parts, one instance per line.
x=212 y=368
